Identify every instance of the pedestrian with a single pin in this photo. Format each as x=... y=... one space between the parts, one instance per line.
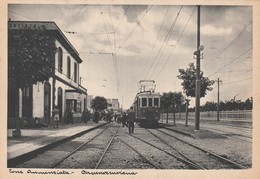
x=85 y=116
x=96 y=116
x=70 y=116
x=108 y=117
x=124 y=120
x=115 y=117
x=131 y=120
x=56 y=117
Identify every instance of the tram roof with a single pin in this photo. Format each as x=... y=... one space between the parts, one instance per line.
x=148 y=93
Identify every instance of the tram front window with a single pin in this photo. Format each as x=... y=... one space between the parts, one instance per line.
x=144 y=102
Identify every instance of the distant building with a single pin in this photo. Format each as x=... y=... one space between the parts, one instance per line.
x=113 y=104
x=62 y=89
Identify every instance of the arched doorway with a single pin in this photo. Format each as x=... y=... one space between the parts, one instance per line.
x=60 y=96
x=47 y=102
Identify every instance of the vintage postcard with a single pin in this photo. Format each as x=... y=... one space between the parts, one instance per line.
x=132 y=89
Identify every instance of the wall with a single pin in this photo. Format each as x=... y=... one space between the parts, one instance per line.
x=64 y=73
x=38 y=100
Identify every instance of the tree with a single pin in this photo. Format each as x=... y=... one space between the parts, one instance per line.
x=166 y=103
x=249 y=104
x=30 y=60
x=99 y=103
x=171 y=99
x=189 y=81
x=176 y=99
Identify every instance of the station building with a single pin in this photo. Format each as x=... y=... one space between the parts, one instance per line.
x=62 y=89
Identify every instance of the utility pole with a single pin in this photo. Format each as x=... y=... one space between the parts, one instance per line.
x=219 y=81
x=197 y=95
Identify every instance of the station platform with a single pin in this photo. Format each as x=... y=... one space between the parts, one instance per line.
x=33 y=141
x=191 y=132
x=203 y=133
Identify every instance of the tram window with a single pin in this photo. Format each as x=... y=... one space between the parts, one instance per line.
x=156 y=101
x=150 y=101
x=144 y=101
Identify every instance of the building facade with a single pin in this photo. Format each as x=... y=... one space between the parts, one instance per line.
x=113 y=104
x=63 y=89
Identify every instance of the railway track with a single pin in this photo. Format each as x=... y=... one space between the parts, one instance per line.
x=111 y=147
x=222 y=162
x=187 y=162
x=101 y=161
x=141 y=155
x=54 y=165
x=77 y=149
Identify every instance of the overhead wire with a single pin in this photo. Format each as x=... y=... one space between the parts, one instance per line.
x=137 y=24
x=236 y=58
x=163 y=45
x=21 y=15
x=239 y=35
x=156 y=39
x=105 y=28
x=232 y=82
x=220 y=52
x=121 y=19
x=114 y=55
x=176 y=43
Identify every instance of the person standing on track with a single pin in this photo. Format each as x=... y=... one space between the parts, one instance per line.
x=124 y=120
x=131 y=120
x=85 y=116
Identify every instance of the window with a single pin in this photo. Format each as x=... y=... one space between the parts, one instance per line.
x=47 y=98
x=150 y=101
x=144 y=102
x=78 y=109
x=156 y=101
x=68 y=67
x=75 y=72
x=60 y=54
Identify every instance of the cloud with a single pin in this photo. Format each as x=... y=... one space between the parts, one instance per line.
x=132 y=12
x=214 y=31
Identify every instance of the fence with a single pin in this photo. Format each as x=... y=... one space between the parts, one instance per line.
x=212 y=115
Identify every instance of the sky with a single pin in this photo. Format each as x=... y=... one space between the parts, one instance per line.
x=123 y=44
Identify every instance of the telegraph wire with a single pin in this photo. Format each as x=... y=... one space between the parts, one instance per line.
x=232 y=82
x=239 y=71
x=133 y=29
x=149 y=59
x=232 y=41
x=164 y=43
x=121 y=19
x=114 y=56
x=176 y=43
x=231 y=62
x=238 y=36
x=21 y=15
x=105 y=28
